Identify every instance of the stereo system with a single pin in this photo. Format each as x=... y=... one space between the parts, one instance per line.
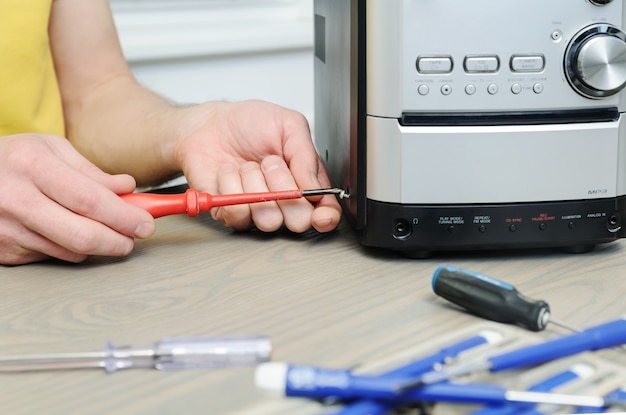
x=480 y=124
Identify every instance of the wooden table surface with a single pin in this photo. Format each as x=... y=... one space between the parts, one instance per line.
x=322 y=299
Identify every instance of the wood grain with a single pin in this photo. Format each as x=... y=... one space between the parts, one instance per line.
x=323 y=300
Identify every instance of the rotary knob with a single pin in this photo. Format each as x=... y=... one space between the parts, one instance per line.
x=595 y=61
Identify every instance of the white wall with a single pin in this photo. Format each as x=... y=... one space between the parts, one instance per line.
x=197 y=50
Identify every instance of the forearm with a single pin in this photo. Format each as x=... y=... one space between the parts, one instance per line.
x=110 y=118
x=124 y=128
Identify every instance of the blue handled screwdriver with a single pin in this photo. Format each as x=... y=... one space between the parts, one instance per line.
x=319 y=383
x=492 y=299
x=416 y=368
x=598 y=337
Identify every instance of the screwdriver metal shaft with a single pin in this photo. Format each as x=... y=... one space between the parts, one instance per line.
x=193 y=202
x=166 y=354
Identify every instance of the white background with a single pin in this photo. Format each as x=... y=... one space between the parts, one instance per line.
x=197 y=50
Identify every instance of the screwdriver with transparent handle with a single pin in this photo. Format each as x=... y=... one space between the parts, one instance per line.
x=166 y=354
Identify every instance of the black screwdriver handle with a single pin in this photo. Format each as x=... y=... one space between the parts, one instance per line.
x=490 y=298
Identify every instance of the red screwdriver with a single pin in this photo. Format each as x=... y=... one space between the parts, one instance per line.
x=193 y=202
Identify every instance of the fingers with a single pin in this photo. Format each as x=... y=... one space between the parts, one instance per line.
x=309 y=173
x=31 y=247
x=249 y=177
x=266 y=216
x=327 y=214
x=237 y=217
x=68 y=236
x=37 y=227
x=91 y=195
x=272 y=174
x=258 y=147
x=297 y=212
x=325 y=218
x=300 y=153
x=65 y=208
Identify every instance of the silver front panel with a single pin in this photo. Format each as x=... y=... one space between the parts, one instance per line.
x=504 y=55
x=493 y=164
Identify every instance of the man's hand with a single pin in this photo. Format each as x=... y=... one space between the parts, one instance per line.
x=220 y=147
x=57 y=204
x=255 y=146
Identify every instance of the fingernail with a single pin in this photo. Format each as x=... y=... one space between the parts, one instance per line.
x=145 y=230
x=323 y=224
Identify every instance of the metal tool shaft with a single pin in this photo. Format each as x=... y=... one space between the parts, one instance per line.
x=341 y=194
x=166 y=354
x=110 y=359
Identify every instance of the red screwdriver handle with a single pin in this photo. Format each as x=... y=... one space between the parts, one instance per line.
x=166 y=204
x=193 y=202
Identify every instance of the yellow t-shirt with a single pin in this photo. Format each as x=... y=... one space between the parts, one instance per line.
x=29 y=93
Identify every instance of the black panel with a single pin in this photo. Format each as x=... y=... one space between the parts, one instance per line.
x=493 y=226
x=510 y=117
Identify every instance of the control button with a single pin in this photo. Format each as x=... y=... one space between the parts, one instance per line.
x=434 y=64
x=571 y=224
x=482 y=229
x=423 y=89
x=556 y=35
x=470 y=89
x=538 y=88
x=542 y=226
x=492 y=89
x=446 y=89
x=602 y=62
x=594 y=61
x=513 y=228
x=516 y=88
x=451 y=229
x=527 y=63
x=481 y=64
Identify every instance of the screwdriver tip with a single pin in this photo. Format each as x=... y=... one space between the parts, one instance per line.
x=564 y=325
x=341 y=194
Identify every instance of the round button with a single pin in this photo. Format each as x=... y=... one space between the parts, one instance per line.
x=538 y=88
x=513 y=228
x=423 y=89
x=602 y=62
x=571 y=224
x=542 y=226
x=470 y=89
x=492 y=89
x=595 y=61
x=516 y=88
x=482 y=229
x=451 y=229
x=446 y=89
